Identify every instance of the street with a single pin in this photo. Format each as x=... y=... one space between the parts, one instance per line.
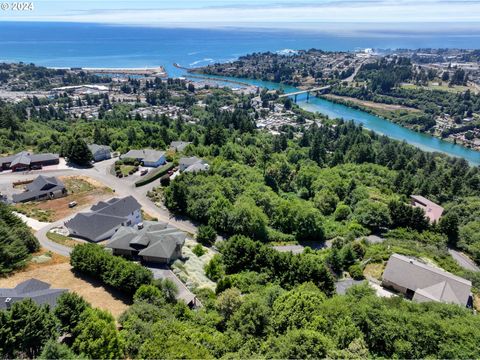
x=463 y=260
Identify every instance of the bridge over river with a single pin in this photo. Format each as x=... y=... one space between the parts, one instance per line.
x=314 y=90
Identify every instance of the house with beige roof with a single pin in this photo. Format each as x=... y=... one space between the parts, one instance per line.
x=422 y=282
x=432 y=211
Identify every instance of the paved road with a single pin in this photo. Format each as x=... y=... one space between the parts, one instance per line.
x=463 y=260
x=122 y=187
x=46 y=243
x=164 y=272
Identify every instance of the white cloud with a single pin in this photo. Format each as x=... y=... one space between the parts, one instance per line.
x=308 y=14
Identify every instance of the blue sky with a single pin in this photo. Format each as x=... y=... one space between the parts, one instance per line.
x=302 y=14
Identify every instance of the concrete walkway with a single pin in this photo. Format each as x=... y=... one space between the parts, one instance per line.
x=32 y=223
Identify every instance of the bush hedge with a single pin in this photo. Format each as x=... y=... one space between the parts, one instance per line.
x=124 y=275
x=154 y=174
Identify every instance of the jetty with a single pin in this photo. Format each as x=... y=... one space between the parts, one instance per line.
x=155 y=71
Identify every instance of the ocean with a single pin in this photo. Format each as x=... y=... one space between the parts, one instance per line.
x=95 y=45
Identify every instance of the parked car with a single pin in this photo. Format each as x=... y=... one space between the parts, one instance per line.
x=72 y=204
x=144 y=172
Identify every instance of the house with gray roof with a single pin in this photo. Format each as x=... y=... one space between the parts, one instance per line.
x=149 y=157
x=192 y=164
x=42 y=188
x=105 y=218
x=179 y=145
x=25 y=160
x=39 y=291
x=151 y=242
x=100 y=152
x=422 y=282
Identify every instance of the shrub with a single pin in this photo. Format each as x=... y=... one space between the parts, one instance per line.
x=154 y=175
x=199 y=250
x=165 y=180
x=206 y=235
x=342 y=212
x=356 y=272
x=93 y=260
x=214 y=269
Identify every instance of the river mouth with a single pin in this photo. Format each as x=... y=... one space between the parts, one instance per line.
x=371 y=122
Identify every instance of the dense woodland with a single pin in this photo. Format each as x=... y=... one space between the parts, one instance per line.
x=333 y=181
x=17 y=242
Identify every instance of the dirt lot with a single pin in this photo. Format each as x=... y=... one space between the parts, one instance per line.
x=84 y=190
x=372 y=104
x=57 y=272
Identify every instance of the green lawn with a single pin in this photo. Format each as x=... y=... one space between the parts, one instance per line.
x=62 y=240
x=125 y=169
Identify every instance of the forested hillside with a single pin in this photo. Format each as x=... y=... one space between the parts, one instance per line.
x=324 y=184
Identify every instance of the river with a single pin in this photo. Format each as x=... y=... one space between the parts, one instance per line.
x=371 y=122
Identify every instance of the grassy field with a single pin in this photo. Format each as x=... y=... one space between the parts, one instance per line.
x=372 y=105
x=81 y=189
x=443 y=87
x=59 y=275
x=62 y=240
